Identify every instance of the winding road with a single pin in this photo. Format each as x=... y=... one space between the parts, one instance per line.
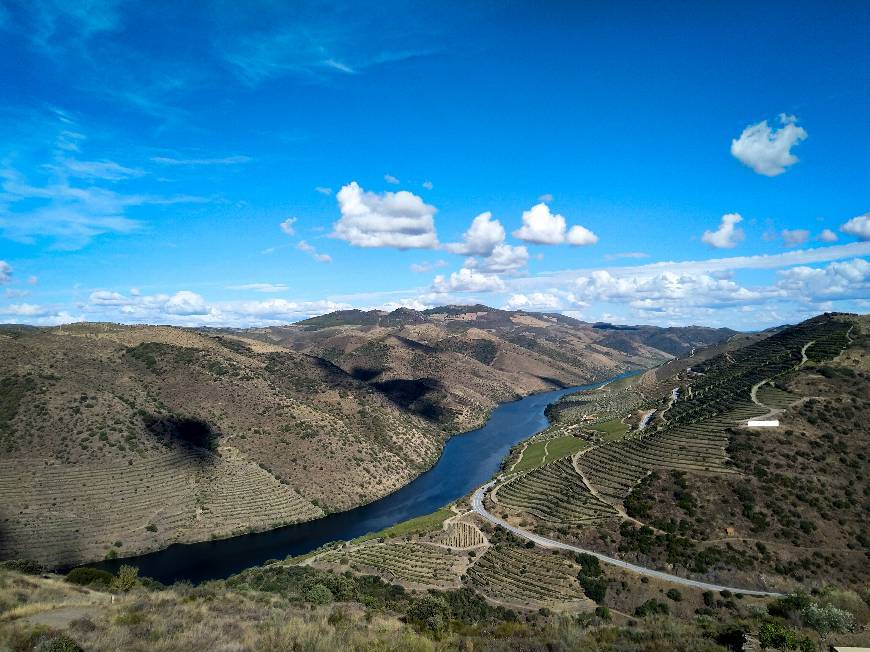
x=477 y=506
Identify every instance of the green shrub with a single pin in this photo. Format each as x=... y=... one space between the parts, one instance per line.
x=652 y=607
x=26 y=566
x=674 y=595
x=86 y=576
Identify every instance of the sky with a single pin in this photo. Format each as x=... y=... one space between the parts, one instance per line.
x=256 y=163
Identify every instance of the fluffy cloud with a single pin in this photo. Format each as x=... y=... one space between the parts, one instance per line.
x=311 y=251
x=389 y=178
x=727 y=235
x=794 y=237
x=543 y=227
x=5 y=271
x=503 y=258
x=186 y=303
x=645 y=291
x=827 y=236
x=287 y=226
x=766 y=150
x=858 y=226
x=428 y=185
x=552 y=300
x=467 y=280
x=839 y=280
x=480 y=238
x=401 y=219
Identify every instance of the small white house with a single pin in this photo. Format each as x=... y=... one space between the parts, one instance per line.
x=756 y=423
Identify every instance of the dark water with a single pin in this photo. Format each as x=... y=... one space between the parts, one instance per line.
x=467 y=462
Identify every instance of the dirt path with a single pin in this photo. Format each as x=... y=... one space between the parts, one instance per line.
x=520 y=458
x=61 y=617
x=477 y=506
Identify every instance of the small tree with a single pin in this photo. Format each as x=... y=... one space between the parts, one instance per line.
x=826 y=620
x=125 y=579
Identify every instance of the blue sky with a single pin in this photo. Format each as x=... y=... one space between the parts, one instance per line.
x=255 y=163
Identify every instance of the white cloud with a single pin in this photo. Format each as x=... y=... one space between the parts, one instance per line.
x=660 y=290
x=185 y=302
x=5 y=272
x=543 y=227
x=550 y=301
x=260 y=287
x=727 y=235
x=427 y=266
x=401 y=219
x=504 y=258
x=312 y=251
x=389 y=178
x=32 y=280
x=843 y=279
x=428 y=185
x=107 y=298
x=323 y=190
x=827 y=236
x=858 y=226
x=287 y=226
x=766 y=150
x=580 y=236
x=546 y=197
x=468 y=280
x=795 y=237
x=480 y=238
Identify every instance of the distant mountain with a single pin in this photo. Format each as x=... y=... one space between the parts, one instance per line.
x=452 y=364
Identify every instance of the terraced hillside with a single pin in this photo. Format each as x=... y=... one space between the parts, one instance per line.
x=514 y=575
x=701 y=493
x=452 y=364
x=117 y=440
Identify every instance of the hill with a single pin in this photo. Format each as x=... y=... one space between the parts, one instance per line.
x=452 y=364
x=121 y=439
x=118 y=440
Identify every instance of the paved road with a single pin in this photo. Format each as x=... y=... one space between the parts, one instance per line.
x=477 y=506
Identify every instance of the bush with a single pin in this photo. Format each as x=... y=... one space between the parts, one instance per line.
x=26 y=566
x=318 y=594
x=85 y=576
x=594 y=587
x=652 y=607
x=674 y=595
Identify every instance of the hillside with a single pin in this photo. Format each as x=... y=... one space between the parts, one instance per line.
x=668 y=475
x=453 y=364
x=118 y=440
x=121 y=439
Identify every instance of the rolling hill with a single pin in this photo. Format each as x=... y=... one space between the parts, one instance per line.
x=117 y=440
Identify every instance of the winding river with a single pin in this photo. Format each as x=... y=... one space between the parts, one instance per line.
x=468 y=460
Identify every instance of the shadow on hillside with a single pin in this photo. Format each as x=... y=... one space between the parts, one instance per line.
x=365 y=374
x=192 y=432
x=416 y=396
x=555 y=382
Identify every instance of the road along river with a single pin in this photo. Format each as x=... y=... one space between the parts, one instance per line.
x=468 y=460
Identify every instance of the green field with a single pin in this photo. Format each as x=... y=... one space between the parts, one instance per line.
x=541 y=452
x=612 y=430
x=425 y=523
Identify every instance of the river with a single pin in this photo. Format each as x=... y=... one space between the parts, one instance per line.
x=468 y=460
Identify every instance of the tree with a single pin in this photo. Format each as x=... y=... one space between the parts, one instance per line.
x=827 y=619
x=125 y=579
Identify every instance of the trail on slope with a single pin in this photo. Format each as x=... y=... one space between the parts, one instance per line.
x=477 y=506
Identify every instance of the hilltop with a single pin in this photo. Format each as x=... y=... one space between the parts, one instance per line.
x=453 y=364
